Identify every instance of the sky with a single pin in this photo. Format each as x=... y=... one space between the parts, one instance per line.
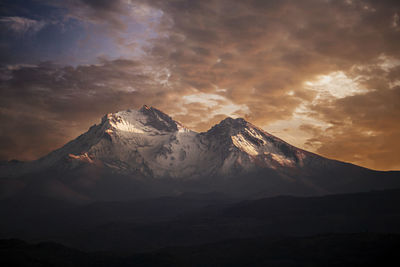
x=323 y=75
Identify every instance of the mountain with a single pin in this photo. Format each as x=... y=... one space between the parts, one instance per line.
x=150 y=143
x=142 y=153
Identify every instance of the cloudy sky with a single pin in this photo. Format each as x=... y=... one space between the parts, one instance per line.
x=323 y=75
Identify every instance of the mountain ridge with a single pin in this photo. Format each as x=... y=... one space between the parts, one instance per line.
x=132 y=127
x=147 y=148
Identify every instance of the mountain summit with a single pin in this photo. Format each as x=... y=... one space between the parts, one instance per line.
x=146 y=150
x=151 y=142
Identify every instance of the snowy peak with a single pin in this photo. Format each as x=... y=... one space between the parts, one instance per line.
x=149 y=142
x=228 y=126
x=145 y=120
x=233 y=123
x=231 y=128
x=145 y=150
x=158 y=119
x=246 y=138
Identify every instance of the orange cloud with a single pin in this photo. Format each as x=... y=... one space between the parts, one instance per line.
x=243 y=58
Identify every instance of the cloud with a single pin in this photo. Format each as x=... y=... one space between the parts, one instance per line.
x=46 y=105
x=116 y=15
x=317 y=71
x=96 y=11
x=22 y=25
x=363 y=128
x=263 y=53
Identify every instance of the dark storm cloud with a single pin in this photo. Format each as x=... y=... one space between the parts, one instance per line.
x=252 y=53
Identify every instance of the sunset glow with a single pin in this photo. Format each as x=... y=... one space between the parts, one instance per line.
x=323 y=75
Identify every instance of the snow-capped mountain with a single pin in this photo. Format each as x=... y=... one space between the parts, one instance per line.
x=149 y=141
x=148 y=146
